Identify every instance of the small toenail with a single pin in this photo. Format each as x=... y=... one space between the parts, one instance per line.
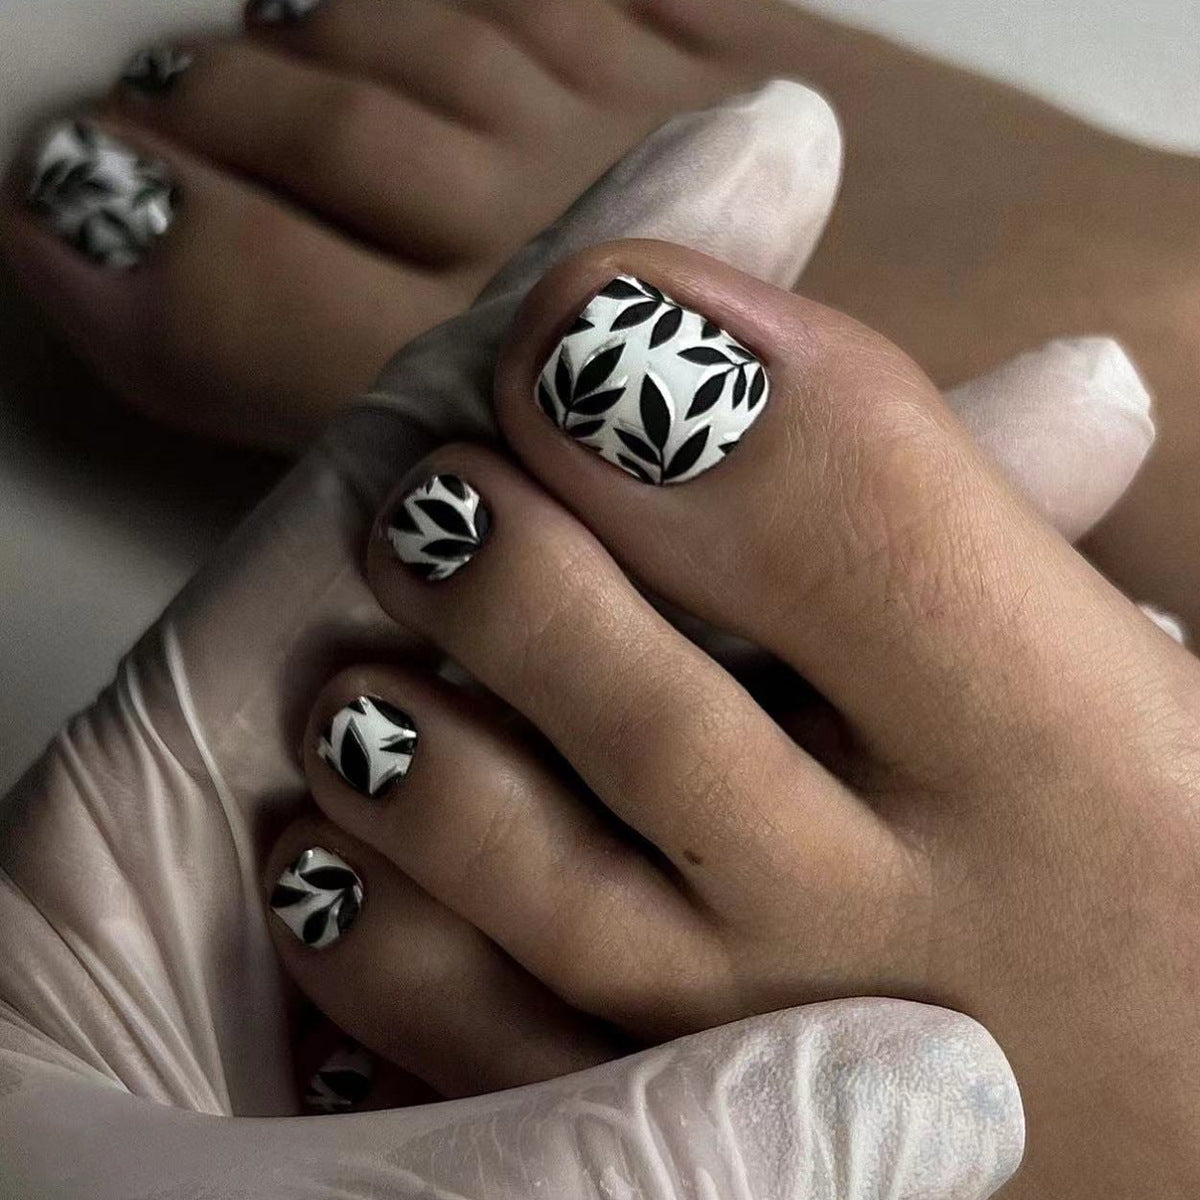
x=281 y=12
x=155 y=71
x=650 y=386
x=370 y=744
x=318 y=897
x=343 y=1081
x=100 y=195
x=439 y=527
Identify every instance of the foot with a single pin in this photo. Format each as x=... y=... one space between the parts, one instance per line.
x=1000 y=739
x=245 y=230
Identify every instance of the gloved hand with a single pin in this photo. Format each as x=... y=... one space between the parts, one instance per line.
x=143 y=1019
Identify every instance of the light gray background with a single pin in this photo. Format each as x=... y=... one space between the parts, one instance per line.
x=101 y=521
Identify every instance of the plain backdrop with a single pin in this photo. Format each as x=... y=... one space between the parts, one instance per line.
x=101 y=520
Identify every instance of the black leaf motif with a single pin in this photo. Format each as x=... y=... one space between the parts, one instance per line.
x=740 y=352
x=656 y=415
x=329 y=879
x=635 y=467
x=739 y=389
x=358 y=705
x=396 y=715
x=404 y=521
x=651 y=290
x=642 y=449
x=582 y=325
x=314 y=927
x=348 y=910
x=596 y=371
x=354 y=763
x=453 y=485
x=598 y=402
x=635 y=314
x=758 y=388
x=402 y=743
x=706 y=356
x=688 y=454
x=483 y=524
x=709 y=330
x=707 y=394
x=666 y=327
x=562 y=378
x=618 y=289
x=282 y=896
x=447 y=517
x=725 y=447
x=449 y=548
x=546 y=402
x=585 y=429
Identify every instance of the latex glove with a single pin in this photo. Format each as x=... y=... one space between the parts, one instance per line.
x=143 y=1020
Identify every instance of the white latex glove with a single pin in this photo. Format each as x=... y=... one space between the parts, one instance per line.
x=143 y=1019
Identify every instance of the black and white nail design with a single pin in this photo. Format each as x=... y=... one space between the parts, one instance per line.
x=439 y=527
x=281 y=12
x=101 y=196
x=369 y=743
x=650 y=386
x=157 y=69
x=318 y=897
x=343 y=1080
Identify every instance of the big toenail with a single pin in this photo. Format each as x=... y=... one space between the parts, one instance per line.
x=100 y=195
x=281 y=12
x=439 y=527
x=650 y=386
x=370 y=744
x=318 y=897
x=156 y=70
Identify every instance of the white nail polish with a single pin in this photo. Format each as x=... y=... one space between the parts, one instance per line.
x=370 y=744
x=318 y=897
x=650 y=386
x=100 y=195
x=155 y=70
x=439 y=527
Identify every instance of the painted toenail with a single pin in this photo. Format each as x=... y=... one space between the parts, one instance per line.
x=318 y=897
x=650 y=386
x=343 y=1081
x=370 y=744
x=100 y=195
x=439 y=527
x=156 y=70
x=281 y=12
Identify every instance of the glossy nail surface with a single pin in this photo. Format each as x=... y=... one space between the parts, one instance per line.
x=370 y=744
x=318 y=897
x=439 y=527
x=100 y=195
x=343 y=1081
x=650 y=386
x=155 y=70
x=281 y=12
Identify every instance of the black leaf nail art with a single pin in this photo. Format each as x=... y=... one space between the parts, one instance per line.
x=439 y=527
x=370 y=744
x=647 y=384
x=155 y=71
x=100 y=196
x=318 y=897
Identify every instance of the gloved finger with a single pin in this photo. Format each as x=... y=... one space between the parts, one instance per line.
x=1069 y=423
x=848 y=1100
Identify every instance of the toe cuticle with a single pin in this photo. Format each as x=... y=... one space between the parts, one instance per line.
x=370 y=744
x=156 y=70
x=439 y=527
x=318 y=897
x=101 y=196
x=651 y=386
